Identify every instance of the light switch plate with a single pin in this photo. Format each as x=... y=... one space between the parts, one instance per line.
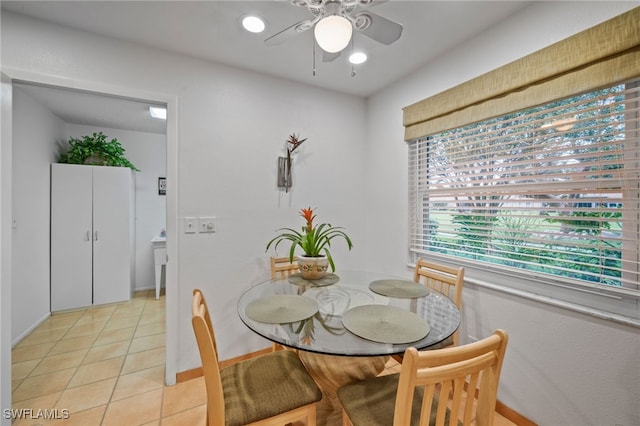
x=207 y=224
x=190 y=225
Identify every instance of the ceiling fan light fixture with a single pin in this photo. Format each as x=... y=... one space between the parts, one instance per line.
x=333 y=33
x=253 y=24
x=358 y=58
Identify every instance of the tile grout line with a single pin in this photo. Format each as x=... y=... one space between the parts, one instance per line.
x=135 y=324
x=145 y=303
x=41 y=360
x=115 y=385
x=85 y=356
x=123 y=364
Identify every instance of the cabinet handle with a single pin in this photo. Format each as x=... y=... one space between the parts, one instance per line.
x=96 y=236
x=88 y=236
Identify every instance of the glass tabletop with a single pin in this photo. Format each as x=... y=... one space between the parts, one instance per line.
x=324 y=331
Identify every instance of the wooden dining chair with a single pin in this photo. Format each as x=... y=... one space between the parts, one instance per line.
x=445 y=279
x=268 y=390
x=281 y=267
x=434 y=387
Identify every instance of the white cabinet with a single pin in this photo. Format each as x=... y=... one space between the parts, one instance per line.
x=91 y=235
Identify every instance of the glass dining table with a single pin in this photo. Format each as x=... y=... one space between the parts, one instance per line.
x=347 y=325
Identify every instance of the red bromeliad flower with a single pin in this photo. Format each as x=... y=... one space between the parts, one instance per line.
x=308 y=215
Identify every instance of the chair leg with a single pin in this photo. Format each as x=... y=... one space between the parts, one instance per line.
x=345 y=419
x=311 y=416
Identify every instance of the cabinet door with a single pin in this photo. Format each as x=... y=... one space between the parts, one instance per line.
x=112 y=246
x=71 y=246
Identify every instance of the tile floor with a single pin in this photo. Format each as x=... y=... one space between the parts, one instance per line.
x=105 y=365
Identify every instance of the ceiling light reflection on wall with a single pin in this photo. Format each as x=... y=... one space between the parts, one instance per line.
x=333 y=33
x=358 y=58
x=253 y=24
x=158 y=112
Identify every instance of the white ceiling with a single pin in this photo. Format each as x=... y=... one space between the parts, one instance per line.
x=78 y=107
x=211 y=30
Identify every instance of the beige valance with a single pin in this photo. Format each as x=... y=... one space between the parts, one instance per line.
x=606 y=54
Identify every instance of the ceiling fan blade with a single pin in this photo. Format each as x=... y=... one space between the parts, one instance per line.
x=377 y=28
x=289 y=32
x=329 y=57
x=368 y=3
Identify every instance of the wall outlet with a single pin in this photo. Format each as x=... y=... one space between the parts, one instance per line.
x=189 y=225
x=207 y=224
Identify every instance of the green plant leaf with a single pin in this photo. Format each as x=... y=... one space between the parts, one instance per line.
x=96 y=150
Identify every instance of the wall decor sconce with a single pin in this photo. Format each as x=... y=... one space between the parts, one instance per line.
x=285 y=163
x=284 y=174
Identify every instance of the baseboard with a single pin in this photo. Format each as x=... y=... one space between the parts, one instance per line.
x=28 y=331
x=185 y=376
x=512 y=415
x=194 y=373
x=144 y=288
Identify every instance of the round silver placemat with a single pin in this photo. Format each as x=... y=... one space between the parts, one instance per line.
x=398 y=288
x=326 y=280
x=385 y=324
x=281 y=308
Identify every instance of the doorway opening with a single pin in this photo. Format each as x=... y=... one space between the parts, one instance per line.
x=109 y=111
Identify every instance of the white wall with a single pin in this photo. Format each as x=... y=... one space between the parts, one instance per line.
x=561 y=367
x=232 y=126
x=36 y=135
x=148 y=152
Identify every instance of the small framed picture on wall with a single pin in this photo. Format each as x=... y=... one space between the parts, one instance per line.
x=162 y=186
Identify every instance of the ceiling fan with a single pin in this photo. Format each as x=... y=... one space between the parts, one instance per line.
x=333 y=22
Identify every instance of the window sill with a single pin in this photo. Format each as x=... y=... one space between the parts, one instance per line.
x=597 y=313
x=617 y=305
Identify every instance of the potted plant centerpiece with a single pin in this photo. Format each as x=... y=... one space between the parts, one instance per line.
x=315 y=242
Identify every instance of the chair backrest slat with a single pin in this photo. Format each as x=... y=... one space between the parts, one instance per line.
x=443 y=278
x=281 y=267
x=455 y=374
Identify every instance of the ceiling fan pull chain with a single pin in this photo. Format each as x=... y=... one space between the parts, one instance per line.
x=353 y=68
x=313 y=50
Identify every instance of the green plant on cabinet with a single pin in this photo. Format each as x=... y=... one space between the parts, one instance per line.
x=96 y=150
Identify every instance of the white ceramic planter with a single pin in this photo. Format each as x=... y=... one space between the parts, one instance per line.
x=313 y=268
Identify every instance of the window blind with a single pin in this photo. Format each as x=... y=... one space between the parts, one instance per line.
x=605 y=54
x=553 y=190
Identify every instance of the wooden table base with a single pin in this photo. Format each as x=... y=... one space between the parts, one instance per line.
x=331 y=372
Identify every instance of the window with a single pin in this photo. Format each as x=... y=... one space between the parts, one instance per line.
x=550 y=193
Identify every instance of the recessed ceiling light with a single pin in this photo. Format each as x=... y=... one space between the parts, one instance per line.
x=358 y=58
x=158 y=112
x=253 y=24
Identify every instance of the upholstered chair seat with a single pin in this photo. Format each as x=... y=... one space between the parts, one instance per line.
x=266 y=386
